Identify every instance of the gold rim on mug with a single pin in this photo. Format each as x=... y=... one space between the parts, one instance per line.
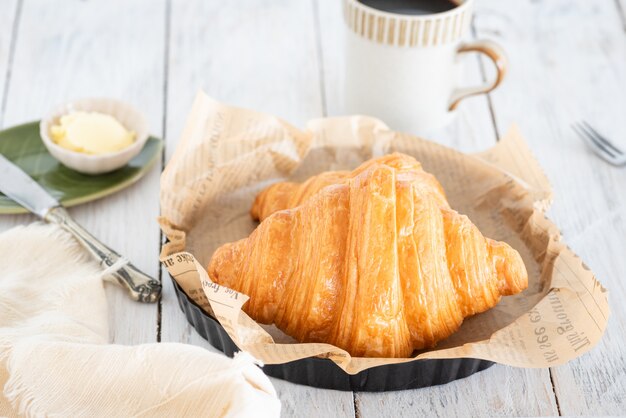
x=407 y=30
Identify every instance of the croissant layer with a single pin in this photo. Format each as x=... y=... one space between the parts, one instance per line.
x=374 y=262
x=286 y=195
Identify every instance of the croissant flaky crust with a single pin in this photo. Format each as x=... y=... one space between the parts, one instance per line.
x=373 y=261
x=286 y=195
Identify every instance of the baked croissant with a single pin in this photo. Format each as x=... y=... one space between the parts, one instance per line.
x=285 y=195
x=373 y=264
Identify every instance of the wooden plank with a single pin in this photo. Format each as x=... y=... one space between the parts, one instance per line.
x=568 y=63
x=621 y=5
x=307 y=402
x=262 y=56
x=496 y=391
x=8 y=24
x=68 y=50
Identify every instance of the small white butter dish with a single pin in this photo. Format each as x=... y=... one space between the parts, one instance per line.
x=126 y=114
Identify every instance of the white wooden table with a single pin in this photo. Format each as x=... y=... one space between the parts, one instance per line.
x=568 y=61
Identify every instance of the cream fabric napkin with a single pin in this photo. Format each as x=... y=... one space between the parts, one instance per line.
x=54 y=356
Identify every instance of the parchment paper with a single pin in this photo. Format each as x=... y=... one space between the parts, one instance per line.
x=227 y=155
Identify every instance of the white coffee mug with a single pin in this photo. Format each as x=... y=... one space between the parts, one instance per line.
x=404 y=68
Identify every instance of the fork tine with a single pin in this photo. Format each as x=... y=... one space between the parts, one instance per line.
x=602 y=139
x=597 y=146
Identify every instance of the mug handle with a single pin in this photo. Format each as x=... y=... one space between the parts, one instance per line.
x=497 y=55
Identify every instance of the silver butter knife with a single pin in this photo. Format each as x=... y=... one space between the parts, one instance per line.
x=27 y=192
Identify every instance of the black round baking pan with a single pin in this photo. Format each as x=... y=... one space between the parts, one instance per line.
x=323 y=373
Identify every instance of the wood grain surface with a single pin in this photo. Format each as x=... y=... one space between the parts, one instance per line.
x=71 y=50
x=8 y=20
x=567 y=63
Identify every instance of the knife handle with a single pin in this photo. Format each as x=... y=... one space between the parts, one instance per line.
x=139 y=285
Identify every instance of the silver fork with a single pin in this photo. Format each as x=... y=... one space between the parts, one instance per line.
x=599 y=144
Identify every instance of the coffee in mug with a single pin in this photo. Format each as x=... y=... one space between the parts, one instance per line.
x=401 y=61
x=408 y=7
